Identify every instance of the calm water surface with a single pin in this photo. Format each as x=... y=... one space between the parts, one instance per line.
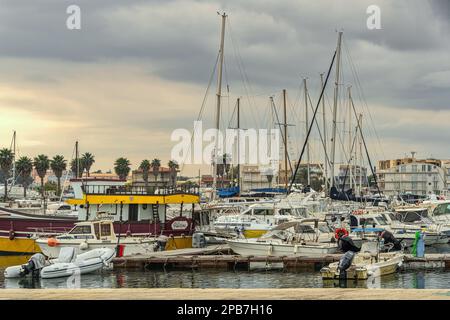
x=432 y=279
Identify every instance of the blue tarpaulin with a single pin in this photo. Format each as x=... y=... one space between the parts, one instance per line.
x=367 y=229
x=228 y=192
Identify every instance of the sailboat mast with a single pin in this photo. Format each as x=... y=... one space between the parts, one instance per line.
x=218 y=97
x=360 y=155
x=239 y=145
x=350 y=149
x=285 y=141
x=14 y=158
x=77 y=161
x=336 y=93
x=325 y=162
x=306 y=132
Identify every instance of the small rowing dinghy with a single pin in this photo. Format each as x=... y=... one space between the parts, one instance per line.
x=68 y=263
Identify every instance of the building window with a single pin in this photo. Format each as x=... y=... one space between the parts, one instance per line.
x=429 y=168
x=414 y=168
x=423 y=168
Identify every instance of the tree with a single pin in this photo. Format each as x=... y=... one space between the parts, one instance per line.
x=173 y=166
x=87 y=160
x=24 y=166
x=58 y=165
x=41 y=164
x=223 y=166
x=145 y=167
x=122 y=167
x=156 y=164
x=73 y=168
x=6 y=163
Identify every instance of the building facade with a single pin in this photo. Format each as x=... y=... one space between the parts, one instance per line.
x=410 y=175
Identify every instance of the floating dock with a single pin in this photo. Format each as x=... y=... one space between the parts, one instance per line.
x=219 y=257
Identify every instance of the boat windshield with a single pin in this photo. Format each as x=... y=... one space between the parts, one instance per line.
x=441 y=209
x=81 y=230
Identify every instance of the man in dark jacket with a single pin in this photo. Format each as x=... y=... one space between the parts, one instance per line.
x=388 y=237
x=345 y=243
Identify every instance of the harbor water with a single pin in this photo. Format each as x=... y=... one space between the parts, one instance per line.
x=209 y=278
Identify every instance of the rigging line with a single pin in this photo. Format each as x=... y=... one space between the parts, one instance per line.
x=361 y=94
x=310 y=127
x=228 y=93
x=349 y=161
x=282 y=134
x=67 y=175
x=365 y=147
x=245 y=80
x=318 y=129
x=200 y=113
x=232 y=115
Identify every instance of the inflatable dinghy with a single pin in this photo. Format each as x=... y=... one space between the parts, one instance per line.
x=67 y=264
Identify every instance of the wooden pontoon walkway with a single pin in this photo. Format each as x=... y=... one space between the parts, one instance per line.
x=209 y=258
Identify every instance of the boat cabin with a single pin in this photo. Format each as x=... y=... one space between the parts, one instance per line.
x=113 y=199
x=95 y=230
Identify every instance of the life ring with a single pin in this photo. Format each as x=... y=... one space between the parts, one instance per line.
x=339 y=231
x=12 y=234
x=52 y=242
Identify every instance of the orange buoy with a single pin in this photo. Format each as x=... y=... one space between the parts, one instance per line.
x=52 y=242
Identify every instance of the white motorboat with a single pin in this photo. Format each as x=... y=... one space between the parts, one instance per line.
x=290 y=238
x=68 y=263
x=93 y=235
x=369 y=262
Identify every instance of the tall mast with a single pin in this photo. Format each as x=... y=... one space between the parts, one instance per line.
x=77 y=161
x=306 y=131
x=336 y=93
x=325 y=162
x=218 y=96
x=285 y=141
x=360 y=155
x=14 y=158
x=350 y=135
x=238 y=145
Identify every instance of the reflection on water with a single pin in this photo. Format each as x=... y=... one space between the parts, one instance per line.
x=419 y=279
x=229 y=279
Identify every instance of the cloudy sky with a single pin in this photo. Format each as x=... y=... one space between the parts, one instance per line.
x=139 y=69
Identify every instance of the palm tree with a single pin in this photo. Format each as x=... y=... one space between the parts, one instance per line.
x=173 y=166
x=24 y=166
x=156 y=164
x=87 y=160
x=122 y=167
x=41 y=164
x=145 y=167
x=6 y=163
x=73 y=168
x=58 y=165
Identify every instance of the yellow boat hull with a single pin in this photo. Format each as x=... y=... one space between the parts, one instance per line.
x=18 y=246
x=254 y=233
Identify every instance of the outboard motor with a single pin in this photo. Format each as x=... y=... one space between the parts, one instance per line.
x=33 y=266
x=344 y=263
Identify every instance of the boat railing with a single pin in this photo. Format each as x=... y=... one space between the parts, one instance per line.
x=139 y=190
x=49 y=230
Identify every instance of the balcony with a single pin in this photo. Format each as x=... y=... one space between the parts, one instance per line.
x=138 y=190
